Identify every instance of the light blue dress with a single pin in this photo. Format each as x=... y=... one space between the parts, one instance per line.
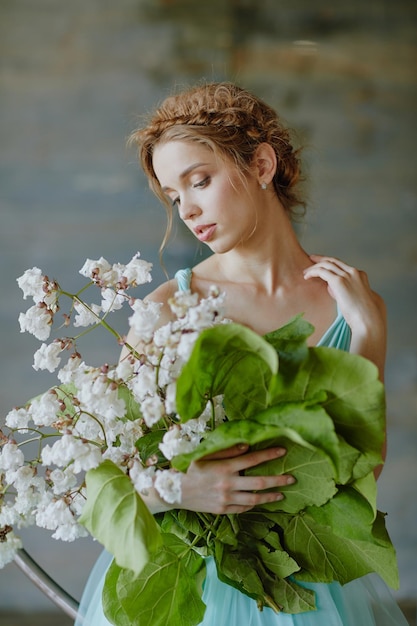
x=366 y=601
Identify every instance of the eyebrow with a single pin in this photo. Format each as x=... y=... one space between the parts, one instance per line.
x=185 y=173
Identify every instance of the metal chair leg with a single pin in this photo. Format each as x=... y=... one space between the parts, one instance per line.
x=46 y=584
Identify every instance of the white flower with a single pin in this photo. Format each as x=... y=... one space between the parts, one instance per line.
x=22 y=478
x=144 y=383
x=45 y=409
x=97 y=396
x=9 y=515
x=111 y=301
x=182 y=301
x=129 y=432
x=68 y=449
x=177 y=441
x=37 y=321
x=124 y=370
x=165 y=337
x=86 y=315
x=116 y=455
x=186 y=345
x=53 y=513
x=169 y=369
x=152 y=410
x=168 y=485
x=70 y=532
x=137 y=272
x=8 y=548
x=200 y=317
x=11 y=457
x=170 y=398
x=70 y=370
x=88 y=428
x=46 y=357
x=18 y=418
x=30 y=489
x=144 y=319
x=26 y=504
x=32 y=284
x=95 y=269
x=141 y=477
x=62 y=480
x=57 y=515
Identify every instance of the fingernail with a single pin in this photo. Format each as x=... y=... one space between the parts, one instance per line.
x=279 y=496
x=280 y=451
x=290 y=480
x=242 y=446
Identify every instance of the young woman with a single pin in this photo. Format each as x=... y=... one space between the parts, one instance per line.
x=222 y=158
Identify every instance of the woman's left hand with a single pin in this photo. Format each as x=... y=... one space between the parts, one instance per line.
x=362 y=308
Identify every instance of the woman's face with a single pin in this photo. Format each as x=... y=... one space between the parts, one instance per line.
x=213 y=199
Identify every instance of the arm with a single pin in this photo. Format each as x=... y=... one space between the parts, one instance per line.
x=363 y=309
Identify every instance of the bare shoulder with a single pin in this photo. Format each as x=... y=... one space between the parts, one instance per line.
x=163 y=293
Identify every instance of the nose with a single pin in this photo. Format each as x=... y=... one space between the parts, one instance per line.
x=187 y=209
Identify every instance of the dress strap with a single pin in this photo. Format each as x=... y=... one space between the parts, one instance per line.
x=183 y=278
x=338 y=335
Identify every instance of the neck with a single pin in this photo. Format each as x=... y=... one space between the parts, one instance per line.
x=272 y=259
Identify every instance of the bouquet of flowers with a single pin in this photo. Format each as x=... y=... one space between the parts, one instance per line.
x=105 y=435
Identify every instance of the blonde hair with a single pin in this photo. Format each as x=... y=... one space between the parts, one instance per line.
x=230 y=121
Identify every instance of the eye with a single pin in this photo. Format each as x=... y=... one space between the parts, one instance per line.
x=201 y=183
x=175 y=202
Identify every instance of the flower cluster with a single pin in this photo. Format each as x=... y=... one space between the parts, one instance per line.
x=99 y=413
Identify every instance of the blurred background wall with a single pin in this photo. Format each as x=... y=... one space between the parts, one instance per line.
x=75 y=76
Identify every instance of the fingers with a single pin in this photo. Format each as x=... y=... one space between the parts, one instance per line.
x=250 y=459
x=231 y=491
x=347 y=285
x=261 y=483
x=228 y=453
x=330 y=264
x=242 y=459
x=246 y=500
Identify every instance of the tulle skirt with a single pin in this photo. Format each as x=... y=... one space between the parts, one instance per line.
x=366 y=601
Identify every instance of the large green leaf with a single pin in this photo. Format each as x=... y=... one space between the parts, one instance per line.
x=312 y=468
x=274 y=558
x=290 y=342
x=355 y=399
x=310 y=421
x=116 y=515
x=112 y=607
x=340 y=541
x=228 y=359
x=367 y=487
x=188 y=526
x=244 y=570
x=168 y=589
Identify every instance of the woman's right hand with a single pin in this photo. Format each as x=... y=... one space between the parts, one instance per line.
x=214 y=484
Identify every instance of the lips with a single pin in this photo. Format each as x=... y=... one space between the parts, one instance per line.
x=204 y=232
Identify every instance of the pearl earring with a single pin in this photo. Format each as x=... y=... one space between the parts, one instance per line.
x=264 y=185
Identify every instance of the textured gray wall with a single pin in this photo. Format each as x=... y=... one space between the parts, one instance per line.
x=73 y=78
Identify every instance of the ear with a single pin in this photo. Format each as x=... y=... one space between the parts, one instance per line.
x=264 y=163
